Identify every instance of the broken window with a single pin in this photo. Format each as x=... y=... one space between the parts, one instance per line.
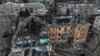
x=59 y=34
x=59 y=28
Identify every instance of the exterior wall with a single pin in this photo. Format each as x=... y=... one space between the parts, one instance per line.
x=52 y=33
x=55 y=32
x=80 y=34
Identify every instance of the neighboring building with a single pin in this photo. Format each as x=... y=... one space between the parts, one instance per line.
x=4 y=1
x=97 y=23
x=13 y=8
x=97 y=27
x=76 y=9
